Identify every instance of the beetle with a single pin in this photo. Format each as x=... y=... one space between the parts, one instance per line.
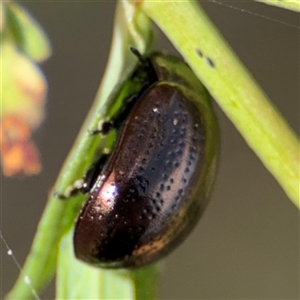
x=148 y=194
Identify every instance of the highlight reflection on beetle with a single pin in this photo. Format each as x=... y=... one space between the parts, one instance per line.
x=147 y=196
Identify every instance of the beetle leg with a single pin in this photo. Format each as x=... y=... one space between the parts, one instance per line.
x=84 y=185
x=116 y=121
x=148 y=76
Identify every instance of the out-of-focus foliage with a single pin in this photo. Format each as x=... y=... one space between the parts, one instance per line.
x=23 y=89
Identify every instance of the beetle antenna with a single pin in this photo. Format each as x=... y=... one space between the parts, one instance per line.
x=138 y=54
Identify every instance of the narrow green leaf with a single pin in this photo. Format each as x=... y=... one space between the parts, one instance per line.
x=259 y=122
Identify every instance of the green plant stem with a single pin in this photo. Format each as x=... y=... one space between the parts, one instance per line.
x=246 y=105
x=286 y=4
x=132 y=28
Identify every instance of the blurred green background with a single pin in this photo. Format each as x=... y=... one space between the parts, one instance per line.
x=247 y=244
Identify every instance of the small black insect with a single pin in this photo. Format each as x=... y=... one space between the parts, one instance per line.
x=147 y=196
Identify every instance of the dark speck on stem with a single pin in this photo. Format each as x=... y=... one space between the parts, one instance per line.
x=199 y=52
x=210 y=62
